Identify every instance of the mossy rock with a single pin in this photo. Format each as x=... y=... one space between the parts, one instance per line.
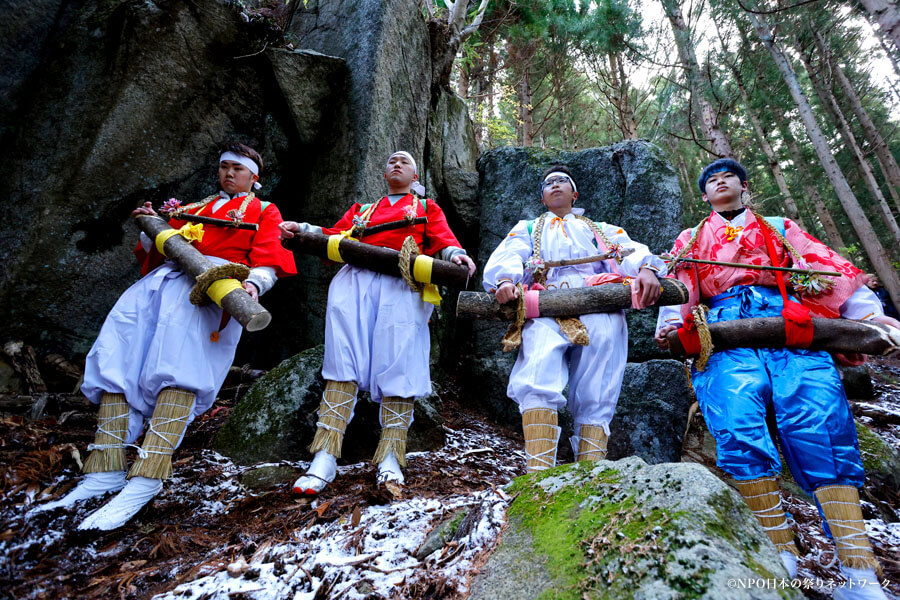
x=276 y=418
x=880 y=459
x=623 y=530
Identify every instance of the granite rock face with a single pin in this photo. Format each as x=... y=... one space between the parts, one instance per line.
x=623 y=529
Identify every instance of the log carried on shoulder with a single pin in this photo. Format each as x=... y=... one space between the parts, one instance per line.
x=376 y=258
x=833 y=335
x=607 y=297
x=216 y=282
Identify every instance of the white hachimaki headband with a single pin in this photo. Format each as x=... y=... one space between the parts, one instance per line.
x=559 y=174
x=243 y=160
x=407 y=155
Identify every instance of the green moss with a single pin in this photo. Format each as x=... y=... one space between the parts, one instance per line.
x=597 y=538
x=877 y=455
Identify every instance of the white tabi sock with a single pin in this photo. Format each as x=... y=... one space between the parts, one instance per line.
x=320 y=473
x=115 y=513
x=863 y=584
x=790 y=562
x=389 y=470
x=93 y=485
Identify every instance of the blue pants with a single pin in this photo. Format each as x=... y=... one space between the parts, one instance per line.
x=801 y=387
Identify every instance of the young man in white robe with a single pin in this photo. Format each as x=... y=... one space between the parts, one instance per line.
x=555 y=352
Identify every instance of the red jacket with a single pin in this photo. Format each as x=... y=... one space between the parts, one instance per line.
x=260 y=248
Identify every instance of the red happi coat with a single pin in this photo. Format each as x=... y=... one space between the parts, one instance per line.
x=260 y=248
x=431 y=237
x=706 y=281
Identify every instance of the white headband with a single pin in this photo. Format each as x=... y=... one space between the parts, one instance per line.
x=243 y=160
x=561 y=174
x=407 y=155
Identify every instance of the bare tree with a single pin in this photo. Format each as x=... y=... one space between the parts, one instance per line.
x=701 y=106
x=886 y=13
x=449 y=26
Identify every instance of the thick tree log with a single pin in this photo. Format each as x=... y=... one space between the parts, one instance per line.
x=607 y=297
x=833 y=335
x=375 y=258
x=237 y=303
x=24 y=362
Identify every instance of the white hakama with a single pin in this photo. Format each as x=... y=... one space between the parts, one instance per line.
x=154 y=338
x=376 y=334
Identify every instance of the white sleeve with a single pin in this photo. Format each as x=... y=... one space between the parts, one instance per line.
x=307 y=228
x=449 y=252
x=263 y=278
x=862 y=305
x=640 y=258
x=507 y=260
x=669 y=315
x=146 y=242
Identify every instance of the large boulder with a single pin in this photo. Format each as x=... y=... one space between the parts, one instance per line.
x=276 y=418
x=121 y=102
x=621 y=530
x=386 y=46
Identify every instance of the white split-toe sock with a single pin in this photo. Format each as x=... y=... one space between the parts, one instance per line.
x=790 y=562
x=863 y=584
x=138 y=491
x=91 y=486
x=321 y=472
x=389 y=470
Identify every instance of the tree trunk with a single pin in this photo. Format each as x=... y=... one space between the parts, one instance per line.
x=886 y=160
x=774 y=165
x=870 y=242
x=833 y=335
x=835 y=239
x=376 y=258
x=823 y=90
x=887 y=14
x=462 y=87
x=607 y=297
x=526 y=110
x=700 y=105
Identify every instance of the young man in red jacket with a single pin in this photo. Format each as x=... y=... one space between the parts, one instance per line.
x=160 y=358
x=376 y=328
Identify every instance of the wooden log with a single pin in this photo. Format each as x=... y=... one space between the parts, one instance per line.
x=62 y=366
x=228 y=223
x=25 y=403
x=607 y=297
x=375 y=258
x=24 y=361
x=237 y=303
x=833 y=335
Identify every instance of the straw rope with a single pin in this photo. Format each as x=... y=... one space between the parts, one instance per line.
x=408 y=252
x=108 y=449
x=167 y=425
x=764 y=500
x=396 y=417
x=198 y=295
x=335 y=411
x=541 y=429
x=840 y=505
x=574 y=330
x=512 y=339
x=706 y=344
x=592 y=442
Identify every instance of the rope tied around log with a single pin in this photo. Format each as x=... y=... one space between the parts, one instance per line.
x=418 y=278
x=214 y=283
x=706 y=345
x=572 y=327
x=512 y=339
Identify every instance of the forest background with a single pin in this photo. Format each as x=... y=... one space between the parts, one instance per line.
x=805 y=93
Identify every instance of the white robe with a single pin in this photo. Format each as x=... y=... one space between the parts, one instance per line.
x=154 y=338
x=547 y=361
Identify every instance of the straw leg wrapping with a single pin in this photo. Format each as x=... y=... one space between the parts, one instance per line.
x=541 y=429
x=335 y=412
x=396 y=417
x=167 y=426
x=108 y=449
